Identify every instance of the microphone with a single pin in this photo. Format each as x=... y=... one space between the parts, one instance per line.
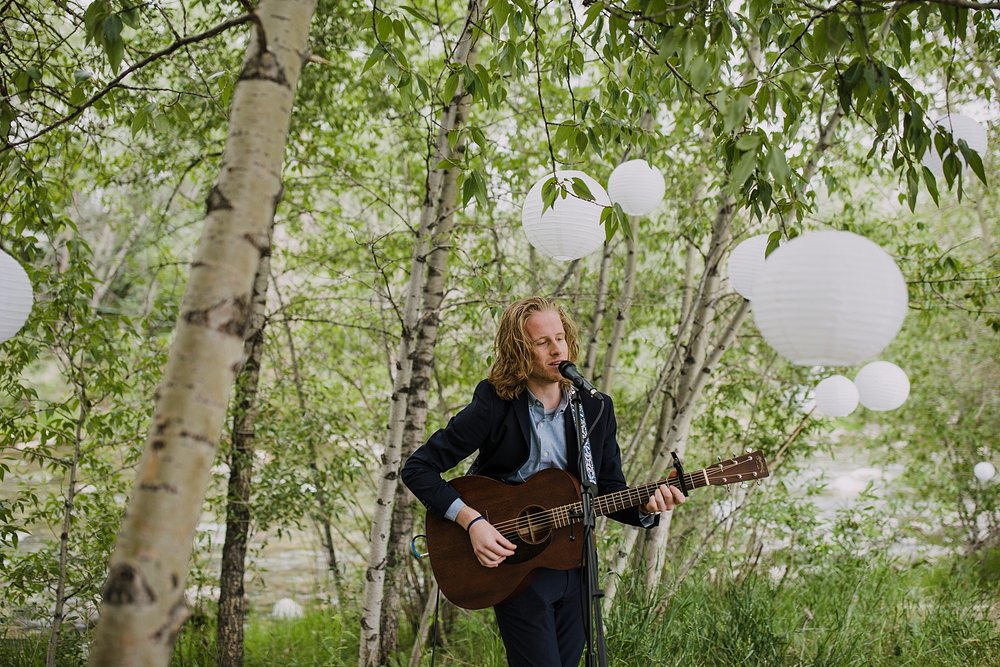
x=568 y=370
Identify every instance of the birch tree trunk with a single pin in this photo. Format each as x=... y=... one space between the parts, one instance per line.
x=143 y=598
x=232 y=601
x=419 y=333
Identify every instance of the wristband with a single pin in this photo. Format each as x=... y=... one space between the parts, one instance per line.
x=478 y=518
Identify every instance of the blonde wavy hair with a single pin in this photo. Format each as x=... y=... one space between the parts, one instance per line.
x=512 y=349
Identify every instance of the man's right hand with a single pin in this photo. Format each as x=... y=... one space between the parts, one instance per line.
x=490 y=547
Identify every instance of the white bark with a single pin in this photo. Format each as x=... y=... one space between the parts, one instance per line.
x=143 y=606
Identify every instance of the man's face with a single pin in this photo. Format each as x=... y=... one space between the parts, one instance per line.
x=547 y=339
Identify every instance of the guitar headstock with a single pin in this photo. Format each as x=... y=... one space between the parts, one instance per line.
x=745 y=468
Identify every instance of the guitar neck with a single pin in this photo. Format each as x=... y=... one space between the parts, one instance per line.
x=749 y=467
x=634 y=496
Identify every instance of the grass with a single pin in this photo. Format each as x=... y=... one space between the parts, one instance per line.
x=844 y=612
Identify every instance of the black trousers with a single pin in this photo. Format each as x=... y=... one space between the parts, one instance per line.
x=542 y=626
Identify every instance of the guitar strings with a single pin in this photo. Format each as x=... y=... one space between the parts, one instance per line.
x=559 y=517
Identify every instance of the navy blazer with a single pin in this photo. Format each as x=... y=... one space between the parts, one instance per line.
x=501 y=433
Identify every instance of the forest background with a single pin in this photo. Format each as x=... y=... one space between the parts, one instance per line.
x=256 y=291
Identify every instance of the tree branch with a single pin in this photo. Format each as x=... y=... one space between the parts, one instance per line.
x=153 y=57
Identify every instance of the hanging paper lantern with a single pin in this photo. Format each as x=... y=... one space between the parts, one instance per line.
x=984 y=471
x=15 y=296
x=637 y=186
x=571 y=227
x=882 y=386
x=745 y=264
x=836 y=396
x=829 y=298
x=960 y=127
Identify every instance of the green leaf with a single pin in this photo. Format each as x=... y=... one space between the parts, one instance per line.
x=116 y=51
x=468 y=191
x=912 y=188
x=773 y=241
x=741 y=172
x=973 y=160
x=549 y=192
x=931 y=183
x=581 y=190
x=735 y=112
x=748 y=142
x=451 y=85
x=377 y=54
x=112 y=29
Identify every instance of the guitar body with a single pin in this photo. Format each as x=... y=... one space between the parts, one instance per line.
x=470 y=585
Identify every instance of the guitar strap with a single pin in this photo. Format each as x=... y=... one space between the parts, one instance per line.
x=588 y=457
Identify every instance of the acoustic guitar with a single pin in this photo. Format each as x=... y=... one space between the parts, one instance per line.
x=542 y=518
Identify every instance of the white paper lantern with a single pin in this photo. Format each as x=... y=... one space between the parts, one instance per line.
x=960 y=127
x=15 y=296
x=571 y=227
x=638 y=187
x=984 y=471
x=836 y=396
x=829 y=298
x=882 y=386
x=745 y=264
x=287 y=608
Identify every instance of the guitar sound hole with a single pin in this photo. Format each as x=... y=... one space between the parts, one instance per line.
x=533 y=527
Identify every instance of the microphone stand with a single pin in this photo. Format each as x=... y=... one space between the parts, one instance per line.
x=592 y=621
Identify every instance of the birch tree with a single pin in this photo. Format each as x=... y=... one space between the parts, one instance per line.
x=143 y=599
x=419 y=314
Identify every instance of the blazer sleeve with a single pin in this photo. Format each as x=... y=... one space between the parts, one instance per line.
x=446 y=448
x=610 y=476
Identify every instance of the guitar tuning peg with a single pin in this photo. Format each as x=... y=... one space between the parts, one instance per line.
x=748 y=450
x=744 y=485
x=718 y=459
x=758 y=482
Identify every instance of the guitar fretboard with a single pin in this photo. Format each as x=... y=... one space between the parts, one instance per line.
x=742 y=469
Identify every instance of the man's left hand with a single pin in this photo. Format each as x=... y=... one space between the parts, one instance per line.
x=664 y=499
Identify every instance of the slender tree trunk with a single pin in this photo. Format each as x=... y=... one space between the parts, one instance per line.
x=419 y=321
x=143 y=598
x=232 y=598
x=600 y=307
x=420 y=381
x=68 y=506
x=427 y=623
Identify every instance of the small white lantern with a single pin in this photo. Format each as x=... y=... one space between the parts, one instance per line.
x=836 y=396
x=829 y=298
x=571 y=227
x=15 y=296
x=984 y=471
x=638 y=187
x=882 y=386
x=745 y=264
x=287 y=608
x=960 y=127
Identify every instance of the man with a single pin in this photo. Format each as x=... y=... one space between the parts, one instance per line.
x=520 y=422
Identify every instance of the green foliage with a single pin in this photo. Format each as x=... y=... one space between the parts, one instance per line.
x=726 y=100
x=319 y=637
